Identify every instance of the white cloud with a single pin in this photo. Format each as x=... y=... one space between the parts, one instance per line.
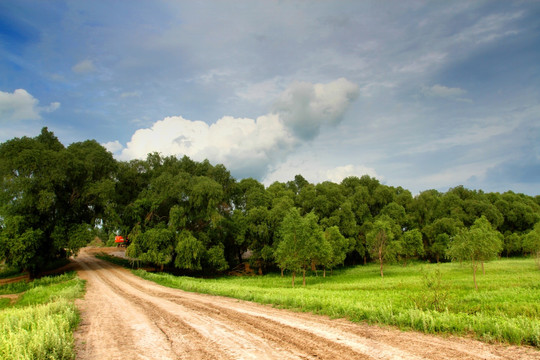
x=248 y=147
x=245 y=146
x=21 y=105
x=304 y=107
x=316 y=170
x=84 y=66
x=341 y=172
x=113 y=146
x=52 y=107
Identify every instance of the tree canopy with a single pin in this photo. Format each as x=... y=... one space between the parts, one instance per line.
x=194 y=216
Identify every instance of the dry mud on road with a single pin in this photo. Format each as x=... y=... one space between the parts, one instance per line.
x=125 y=317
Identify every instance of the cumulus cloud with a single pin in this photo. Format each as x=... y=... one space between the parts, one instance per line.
x=248 y=147
x=21 y=105
x=113 y=146
x=305 y=107
x=84 y=66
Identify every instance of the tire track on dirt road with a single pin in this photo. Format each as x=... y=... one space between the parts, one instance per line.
x=126 y=317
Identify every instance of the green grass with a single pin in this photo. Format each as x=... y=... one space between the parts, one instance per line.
x=425 y=297
x=39 y=325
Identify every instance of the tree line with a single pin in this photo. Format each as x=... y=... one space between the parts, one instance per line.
x=194 y=216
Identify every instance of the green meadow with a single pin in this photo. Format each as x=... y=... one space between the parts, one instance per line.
x=38 y=319
x=432 y=298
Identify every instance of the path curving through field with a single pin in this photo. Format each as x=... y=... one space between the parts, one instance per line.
x=126 y=317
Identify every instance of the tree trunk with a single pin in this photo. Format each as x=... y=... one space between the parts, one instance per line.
x=381 y=261
x=239 y=257
x=483 y=270
x=304 y=277
x=282 y=272
x=293 y=276
x=324 y=272
x=161 y=268
x=474 y=276
x=365 y=260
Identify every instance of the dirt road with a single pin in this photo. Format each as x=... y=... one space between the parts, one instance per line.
x=125 y=317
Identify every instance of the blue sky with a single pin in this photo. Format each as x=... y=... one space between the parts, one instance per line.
x=420 y=94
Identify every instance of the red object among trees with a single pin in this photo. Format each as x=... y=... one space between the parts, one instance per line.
x=119 y=239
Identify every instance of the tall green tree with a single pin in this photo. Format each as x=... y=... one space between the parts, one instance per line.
x=339 y=248
x=301 y=242
x=531 y=242
x=50 y=198
x=154 y=245
x=411 y=245
x=380 y=241
x=477 y=244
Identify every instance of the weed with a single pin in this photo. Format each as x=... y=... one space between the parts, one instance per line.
x=39 y=324
x=435 y=294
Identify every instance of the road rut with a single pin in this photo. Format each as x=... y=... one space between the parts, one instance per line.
x=126 y=317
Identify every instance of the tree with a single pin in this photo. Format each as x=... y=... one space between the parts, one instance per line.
x=438 y=234
x=51 y=198
x=301 y=242
x=154 y=246
x=339 y=247
x=531 y=242
x=411 y=244
x=258 y=236
x=478 y=244
x=380 y=240
x=189 y=251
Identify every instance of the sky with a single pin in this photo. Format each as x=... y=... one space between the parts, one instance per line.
x=418 y=94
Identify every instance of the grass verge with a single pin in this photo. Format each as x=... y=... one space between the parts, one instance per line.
x=426 y=297
x=39 y=325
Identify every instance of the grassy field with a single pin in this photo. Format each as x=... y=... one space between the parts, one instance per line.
x=38 y=322
x=427 y=297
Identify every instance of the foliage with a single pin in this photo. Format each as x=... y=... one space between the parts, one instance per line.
x=183 y=214
x=411 y=245
x=339 y=246
x=302 y=242
x=190 y=252
x=51 y=198
x=531 y=242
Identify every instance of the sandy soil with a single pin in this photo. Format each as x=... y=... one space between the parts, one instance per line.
x=125 y=317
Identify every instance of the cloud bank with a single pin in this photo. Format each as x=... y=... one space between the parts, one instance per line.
x=248 y=147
